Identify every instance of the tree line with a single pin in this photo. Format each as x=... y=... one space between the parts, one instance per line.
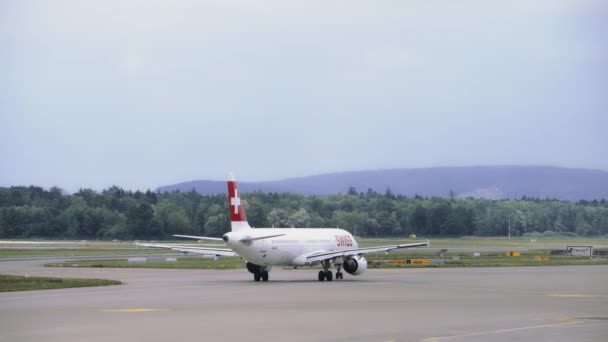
x=115 y=213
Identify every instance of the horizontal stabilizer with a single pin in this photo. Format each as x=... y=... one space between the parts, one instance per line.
x=249 y=239
x=192 y=249
x=198 y=237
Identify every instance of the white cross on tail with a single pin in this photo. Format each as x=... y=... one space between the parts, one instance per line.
x=235 y=201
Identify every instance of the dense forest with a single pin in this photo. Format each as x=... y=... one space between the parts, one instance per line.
x=27 y=212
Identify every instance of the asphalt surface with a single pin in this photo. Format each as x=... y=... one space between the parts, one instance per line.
x=466 y=304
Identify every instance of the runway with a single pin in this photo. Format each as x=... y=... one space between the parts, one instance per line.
x=448 y=304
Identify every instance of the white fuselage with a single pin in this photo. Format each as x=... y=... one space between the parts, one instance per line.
x=290 y=249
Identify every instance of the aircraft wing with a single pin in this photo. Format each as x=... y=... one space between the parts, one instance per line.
x=359 y=251
x=193 y=249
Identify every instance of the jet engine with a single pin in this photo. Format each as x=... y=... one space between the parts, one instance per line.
x=355 y=265
x=253 y=268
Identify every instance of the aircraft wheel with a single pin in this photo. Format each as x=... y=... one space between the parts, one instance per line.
x=329 y=276
x=265 y=276
x=256 y=277
x=339 y=275
x=321 y=275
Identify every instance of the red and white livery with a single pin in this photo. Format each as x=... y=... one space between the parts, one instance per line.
x=263 y=248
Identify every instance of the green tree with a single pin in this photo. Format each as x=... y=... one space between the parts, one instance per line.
x=419 y=220
x=256 y=212
x=139 y=219
x=170 y=219
x=350 y=221
x=299 y=219
x=218 y=222
x=278 y=218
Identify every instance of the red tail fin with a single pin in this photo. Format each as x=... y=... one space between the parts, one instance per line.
x=237 y=211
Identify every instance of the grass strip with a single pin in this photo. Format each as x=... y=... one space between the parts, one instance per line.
x=181 y=263
x=25 y=283
x=42 y=249
x=28 y=253
x=473 y=241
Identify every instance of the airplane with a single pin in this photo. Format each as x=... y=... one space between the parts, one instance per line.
x=263 y=248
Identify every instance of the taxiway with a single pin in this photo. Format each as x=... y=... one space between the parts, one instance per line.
x=447 y=304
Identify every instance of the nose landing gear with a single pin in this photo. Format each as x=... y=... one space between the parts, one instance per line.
x=339 y=275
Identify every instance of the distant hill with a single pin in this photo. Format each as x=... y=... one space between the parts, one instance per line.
x=493 y=182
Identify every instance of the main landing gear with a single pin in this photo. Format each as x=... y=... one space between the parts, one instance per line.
x=261 y=275
x=259 y=272
x=326 y=274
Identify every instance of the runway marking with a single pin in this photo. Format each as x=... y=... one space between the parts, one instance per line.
x=558 y=295
x=503 y=331
x=136 y=310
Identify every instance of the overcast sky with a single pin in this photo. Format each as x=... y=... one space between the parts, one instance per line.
x=147 y=93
